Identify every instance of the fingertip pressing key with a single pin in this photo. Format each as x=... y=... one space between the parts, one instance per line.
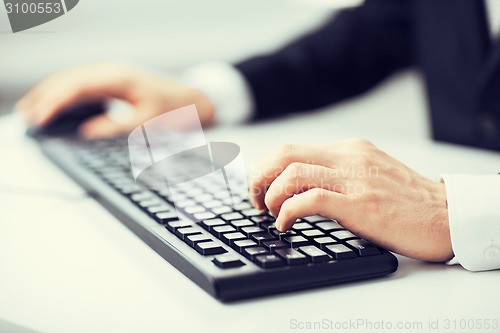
x=279 y=226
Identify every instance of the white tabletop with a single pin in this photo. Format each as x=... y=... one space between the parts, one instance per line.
x=67 y=265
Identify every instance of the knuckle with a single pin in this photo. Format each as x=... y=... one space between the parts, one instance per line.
x=317 y=196
x=115 y=66
x=371 y=203
x=254 y=177
x=295 y=171
x=365 y=158
x=286 y=152
x=361 y=142
x=286 y=209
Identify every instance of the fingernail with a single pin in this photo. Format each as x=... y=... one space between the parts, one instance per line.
x=277 y=225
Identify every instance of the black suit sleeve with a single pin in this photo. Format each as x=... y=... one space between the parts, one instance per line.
x=349 y=55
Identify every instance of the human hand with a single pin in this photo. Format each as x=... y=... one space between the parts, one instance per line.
x=148 y=94
x=367 y=191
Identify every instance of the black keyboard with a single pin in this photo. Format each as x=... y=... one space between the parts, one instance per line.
x=231 y=251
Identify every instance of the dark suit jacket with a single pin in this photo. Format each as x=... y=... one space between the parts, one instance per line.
x=448 y=41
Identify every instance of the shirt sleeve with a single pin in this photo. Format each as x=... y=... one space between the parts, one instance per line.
x=474 y=219
x=226 y=88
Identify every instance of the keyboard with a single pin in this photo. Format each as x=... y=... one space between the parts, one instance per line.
x=232 y=251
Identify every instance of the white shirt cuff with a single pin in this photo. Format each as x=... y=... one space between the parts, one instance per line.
x=225 y=87
x=474 y=218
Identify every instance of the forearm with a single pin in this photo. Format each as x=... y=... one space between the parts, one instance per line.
x=349 y=55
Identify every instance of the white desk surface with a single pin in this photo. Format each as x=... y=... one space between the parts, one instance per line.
x=66 y=265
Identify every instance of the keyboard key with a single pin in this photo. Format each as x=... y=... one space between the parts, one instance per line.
x=343 y=234
x=209 y=224
x=192 y=240
x=328 y=226
x=275 y=244
x=312 y=233
x=149 y=202
x=229 y=238
x=194 y=209
x=159 y=209
x=292 y=256
x=232 y=216
x=137 y=197
x=363 y=247
x=128 y=190
x=263 y=219
x=340 y=251
x=194 y=192
x=251 y=230
x=315 y=218
x=269 y=261
x=131 y=189
x=221 y=195
x=222 y=229
x=182 y=233
x=251 y=212
x=240 y=245
x=185 y=203
x=302 y=226
x=280 y=235
x=238 y=224
x=268 y=226
x=252 y=252
x=227 y=201
x=296 y=241
x=165 y=217
x=209 y=248
x=165 y=193
x=314 y=254
x=203 y=198
x=212 y=204
x=174 y=225
x=221 y=210
x=322 y=242
x=243 y=205
x=227 y=261
x=262 y=237
x=204 y=216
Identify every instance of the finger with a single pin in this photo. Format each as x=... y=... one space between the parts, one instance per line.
x=75 y=85
x=299 y=177
x=31 y=98
x=25 y=104
x=315 y=201
x=58 y=98
x=102 y=126
x=120 y=118
x=273 y=167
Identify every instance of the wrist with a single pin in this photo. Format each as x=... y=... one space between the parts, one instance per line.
x=439 y=224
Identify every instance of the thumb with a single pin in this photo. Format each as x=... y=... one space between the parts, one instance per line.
x=120 y=117
x=101 y=126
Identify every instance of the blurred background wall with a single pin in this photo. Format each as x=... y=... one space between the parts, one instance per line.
x=163 y=34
